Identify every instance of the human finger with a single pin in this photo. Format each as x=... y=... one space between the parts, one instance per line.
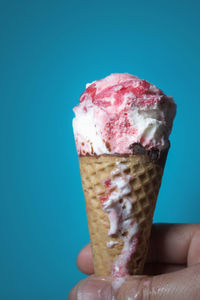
x=84 y=260
x=161 y=268
x=175 y=244
x=181 y=285
x=169 y=243
x=85 y=264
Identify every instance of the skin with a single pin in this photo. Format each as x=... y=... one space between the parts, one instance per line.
x=172 y=270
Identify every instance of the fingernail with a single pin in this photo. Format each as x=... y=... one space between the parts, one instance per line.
x=91 y=289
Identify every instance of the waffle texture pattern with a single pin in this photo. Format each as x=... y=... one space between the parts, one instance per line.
x=147 y=175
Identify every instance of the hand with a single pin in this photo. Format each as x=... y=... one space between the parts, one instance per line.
x=172 y=269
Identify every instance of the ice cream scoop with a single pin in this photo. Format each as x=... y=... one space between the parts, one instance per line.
x=119 y=111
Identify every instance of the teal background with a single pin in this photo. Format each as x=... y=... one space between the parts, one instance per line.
x=49 y=50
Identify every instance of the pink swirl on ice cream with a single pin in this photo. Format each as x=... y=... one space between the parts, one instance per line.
x=119 y=111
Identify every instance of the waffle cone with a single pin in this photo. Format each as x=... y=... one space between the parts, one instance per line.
x=147 y=175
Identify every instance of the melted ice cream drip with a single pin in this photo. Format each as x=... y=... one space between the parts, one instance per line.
x=117 y=203
x=111 y=244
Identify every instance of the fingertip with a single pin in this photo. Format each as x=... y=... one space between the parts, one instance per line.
x=84 y=260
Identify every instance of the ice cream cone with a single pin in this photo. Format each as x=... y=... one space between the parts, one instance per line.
x=145 y=175
x=121 y=127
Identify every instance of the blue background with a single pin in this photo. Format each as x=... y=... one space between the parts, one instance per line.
x=49 y=50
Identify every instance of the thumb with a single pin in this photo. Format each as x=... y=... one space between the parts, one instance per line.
x=181 y=285
x=92 y=288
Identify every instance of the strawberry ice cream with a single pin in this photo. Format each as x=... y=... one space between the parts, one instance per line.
x=120 y=110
